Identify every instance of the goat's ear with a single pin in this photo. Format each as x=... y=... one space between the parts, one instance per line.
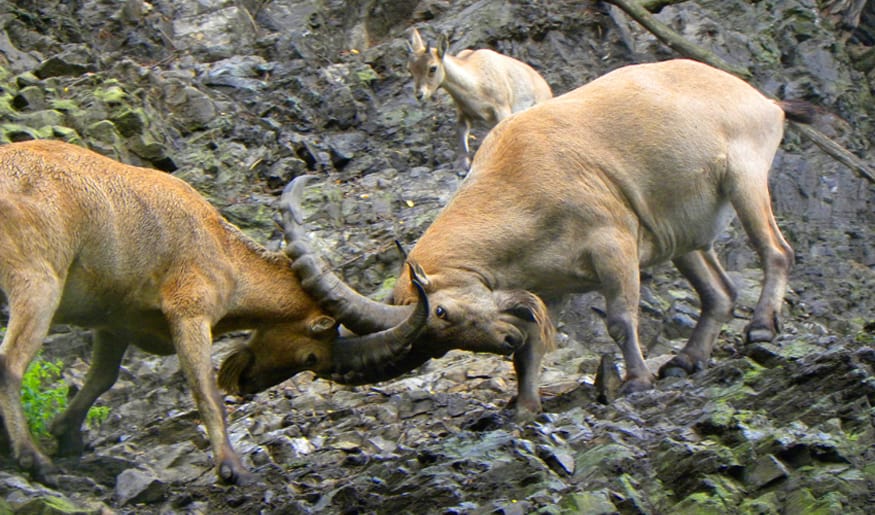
x=521 y=304
x=442 y=46
x=415 y=43
x=418 y=274
x=528 y=307
x=322 y=325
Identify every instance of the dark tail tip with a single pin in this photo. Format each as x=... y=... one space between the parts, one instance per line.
x=798 y=110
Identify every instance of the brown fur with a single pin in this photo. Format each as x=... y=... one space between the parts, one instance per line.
x=643 y=165
x=142 y=258
x=485 y=86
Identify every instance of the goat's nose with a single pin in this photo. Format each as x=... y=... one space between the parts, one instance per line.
x=419 y=95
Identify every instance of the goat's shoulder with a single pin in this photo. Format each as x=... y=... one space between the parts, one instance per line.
x=466 y=54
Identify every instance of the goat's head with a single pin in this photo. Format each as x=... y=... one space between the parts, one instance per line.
x=467 y=314
x=280 y=351
x=426 y=64
x=276 y=353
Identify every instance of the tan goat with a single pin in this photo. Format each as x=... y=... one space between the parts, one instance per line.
x=643 y=165
x=485 y=86
x=141 y=257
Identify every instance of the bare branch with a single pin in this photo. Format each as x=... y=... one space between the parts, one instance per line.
x=836 y=151
x=655 y=6
x=674 y=40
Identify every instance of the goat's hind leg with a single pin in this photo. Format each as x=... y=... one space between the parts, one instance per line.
x=107 y=352
x=31 y=309
x=752 y=204
x=717 y=294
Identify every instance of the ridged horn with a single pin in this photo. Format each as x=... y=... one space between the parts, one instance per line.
x=360 y=314
x=359 y=355
x=383 y=371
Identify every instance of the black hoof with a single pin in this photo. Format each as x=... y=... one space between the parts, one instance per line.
x=759 y=335
x=235 y=475
x=681 y=365
x=671 y=370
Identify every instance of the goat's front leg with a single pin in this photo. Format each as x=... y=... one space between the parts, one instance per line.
x=616 y=265
x=107 y=352
x=527 y=364
x=31 y=308
x=463 y=130
x=192 y=338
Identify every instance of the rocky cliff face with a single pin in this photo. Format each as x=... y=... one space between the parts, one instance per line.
x=239 y=96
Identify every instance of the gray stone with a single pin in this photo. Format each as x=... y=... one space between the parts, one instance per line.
x=767 y=470
x=135 y=486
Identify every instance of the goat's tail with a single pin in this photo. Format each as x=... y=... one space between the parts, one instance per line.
x=798 y=110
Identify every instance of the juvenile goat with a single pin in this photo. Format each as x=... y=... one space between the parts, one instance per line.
x=141 y=257
x=485 y=86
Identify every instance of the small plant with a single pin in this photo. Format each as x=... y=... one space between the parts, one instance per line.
x=41 y=401
x=96 y=416
x=43 y=397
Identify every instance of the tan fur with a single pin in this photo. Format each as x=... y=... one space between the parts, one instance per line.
x=142 y=258
x=643 y=165
x=486 y=86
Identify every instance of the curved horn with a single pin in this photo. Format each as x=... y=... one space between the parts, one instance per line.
x=360 y=354
x=381 y=371
x=357 y=312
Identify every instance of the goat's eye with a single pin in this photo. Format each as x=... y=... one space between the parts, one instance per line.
x=311 y=360
x=440 y=312
x=432 y=70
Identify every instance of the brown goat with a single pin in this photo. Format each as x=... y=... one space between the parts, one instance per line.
x=141 y=257
x=641 y=166
x=485 y=86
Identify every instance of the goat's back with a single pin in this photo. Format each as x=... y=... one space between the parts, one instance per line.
x=112 y=227
x=653 y=130
x=652 y=148
x=503 y=75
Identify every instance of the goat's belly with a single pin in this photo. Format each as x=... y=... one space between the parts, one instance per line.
x=145 y=328
x=141 y=332
x=690 y=232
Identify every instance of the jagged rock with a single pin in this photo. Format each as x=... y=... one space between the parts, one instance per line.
x=58 y=506
x=30 y=98
x=135 y=486
x=596 y=503
x=72 y=62
x=767 y=470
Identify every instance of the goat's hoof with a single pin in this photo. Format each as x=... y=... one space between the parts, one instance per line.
x=235 y=474
x=635 y=385
x=524 y=416
x=672 y=370
x=40 y=468
x=759 y=334
x=526 y=413
x=681 y=365
x=524 y=410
